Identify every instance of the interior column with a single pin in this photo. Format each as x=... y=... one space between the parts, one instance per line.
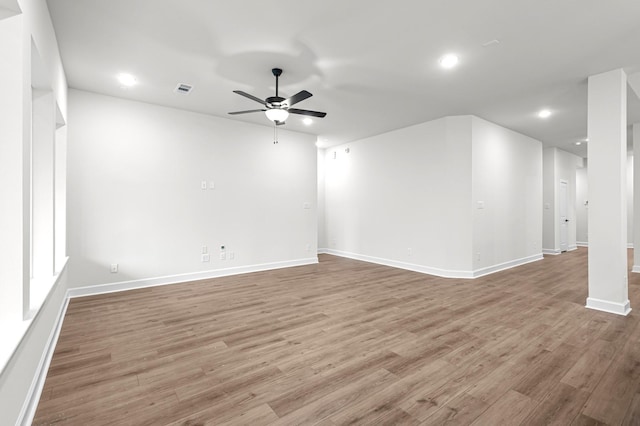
x=607 y=152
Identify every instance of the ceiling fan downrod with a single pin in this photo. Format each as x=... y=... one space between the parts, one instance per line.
x=277 y=72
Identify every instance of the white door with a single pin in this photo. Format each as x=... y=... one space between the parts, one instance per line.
x=564 y=220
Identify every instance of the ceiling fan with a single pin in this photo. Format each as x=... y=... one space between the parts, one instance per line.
x=277 y=108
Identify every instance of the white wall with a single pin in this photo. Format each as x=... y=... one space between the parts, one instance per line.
x=395 y=198
x=549 y=224
x=322 y=234
x=582 y=207
x=507 y=180
x=630 y=199
x=582 y=187
x=25 y=26
x=559 y=165
x=135 y=197
x=409 y=198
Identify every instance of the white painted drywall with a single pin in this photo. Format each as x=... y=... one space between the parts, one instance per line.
x=507 y=178
x=403 y=197
x=322 y=235
x=582 y=207
x=135 y=197
x=550 y=240
x=630 y=226
x=436 y=197
x=566 y=166
x=559 y=165
x=582 y=188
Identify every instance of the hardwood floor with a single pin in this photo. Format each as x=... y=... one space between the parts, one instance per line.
x=348 y=342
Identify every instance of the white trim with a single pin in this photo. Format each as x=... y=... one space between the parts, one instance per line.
x=582 y=243
x=323 y=251
x=445 y=273
x=28 y=411
x=507 y=265
x=181 y=278
x=636 y=269
x=403 y=265
x=607 y=306
x=572 y=248
x=551 y=252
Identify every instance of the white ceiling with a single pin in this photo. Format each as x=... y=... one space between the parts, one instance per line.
x=371 y=65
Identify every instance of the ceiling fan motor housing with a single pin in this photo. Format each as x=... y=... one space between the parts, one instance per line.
x=275 y=101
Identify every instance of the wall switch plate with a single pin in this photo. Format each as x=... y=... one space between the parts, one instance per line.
x=409 y=252
x=232 y=255
x=223 y=256
x=481 y=204
x=205 y=249
x=206 y=257
x=114 y=268
x=212 y=185
x=306 y=205
x=203 y=184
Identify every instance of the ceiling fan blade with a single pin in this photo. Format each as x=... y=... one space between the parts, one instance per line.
x=300 y=96
x=307 y=112
x=246 y=112
x=246 y=95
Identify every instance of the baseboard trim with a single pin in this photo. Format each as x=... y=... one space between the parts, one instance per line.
x=30 y=405
x=323 y=251
x=582 y=244
x=610 y=307
x=445 y=273
x=182 y=278
x=507 y=265
x=572 y=248
x=551 y=252
x=403 y=265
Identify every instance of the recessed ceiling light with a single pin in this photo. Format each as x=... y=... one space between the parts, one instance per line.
x=126 y=80
x=545 y=113
x=307 y=121
x=449 y=61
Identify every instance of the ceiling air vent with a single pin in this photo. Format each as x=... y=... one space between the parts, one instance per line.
x=183 y=89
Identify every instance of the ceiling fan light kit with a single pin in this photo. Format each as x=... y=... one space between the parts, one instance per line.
x=277 y=115
x=277 y=108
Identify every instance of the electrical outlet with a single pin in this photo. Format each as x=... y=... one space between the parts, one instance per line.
x=308 y=248
x=114 y=268
x=232 y=255
x=409 y=252
x=223 y=256
x=206 y=257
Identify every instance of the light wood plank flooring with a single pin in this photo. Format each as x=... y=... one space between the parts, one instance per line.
x=348 y=342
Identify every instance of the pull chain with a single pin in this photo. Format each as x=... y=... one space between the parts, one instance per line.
x=275 y=133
